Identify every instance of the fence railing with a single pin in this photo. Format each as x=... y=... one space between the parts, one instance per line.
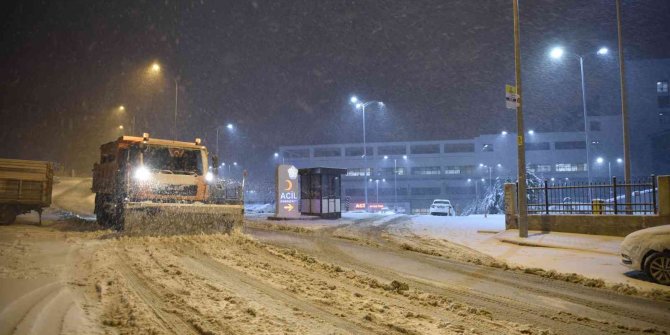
x=594 y=198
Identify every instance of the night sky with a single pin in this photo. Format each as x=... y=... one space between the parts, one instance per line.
x=283 y=71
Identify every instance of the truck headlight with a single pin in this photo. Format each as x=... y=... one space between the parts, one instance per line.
x=142 y=174
x=209 y=176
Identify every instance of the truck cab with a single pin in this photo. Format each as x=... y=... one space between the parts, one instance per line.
x=145 y=175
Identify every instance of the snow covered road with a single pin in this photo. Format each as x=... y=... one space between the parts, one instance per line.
x=364 y=275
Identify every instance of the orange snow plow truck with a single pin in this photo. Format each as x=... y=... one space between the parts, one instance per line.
x=147 y=186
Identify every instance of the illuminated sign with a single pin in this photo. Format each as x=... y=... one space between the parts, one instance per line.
x=361 y=205
x=288 y=196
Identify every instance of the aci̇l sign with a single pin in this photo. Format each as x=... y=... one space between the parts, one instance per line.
x=288 y=191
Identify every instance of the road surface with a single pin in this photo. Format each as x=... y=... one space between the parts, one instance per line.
x=67 y=277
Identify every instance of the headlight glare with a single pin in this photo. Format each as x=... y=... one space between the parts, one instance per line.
x=142 y=174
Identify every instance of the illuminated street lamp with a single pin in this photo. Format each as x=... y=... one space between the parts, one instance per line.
x=155 y=69
x=601 y=160
x=557 y=53
x=229 y=127
x=362 y=105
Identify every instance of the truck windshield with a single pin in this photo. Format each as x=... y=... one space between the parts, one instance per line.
x=173 y=160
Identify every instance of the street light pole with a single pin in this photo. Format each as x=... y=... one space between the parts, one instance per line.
x=395 y=185
x=586 y=129
x=624 y=110
x=521 y=147
x=365 y=161
x=362 y=106
x=176 y=98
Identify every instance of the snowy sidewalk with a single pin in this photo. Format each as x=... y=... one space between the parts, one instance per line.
x=592 y=256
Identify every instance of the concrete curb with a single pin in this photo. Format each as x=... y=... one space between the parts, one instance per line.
x=530 y=243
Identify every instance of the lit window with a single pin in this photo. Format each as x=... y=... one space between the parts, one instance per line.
x=426 y=170
x=357 y=172
x=570 y=167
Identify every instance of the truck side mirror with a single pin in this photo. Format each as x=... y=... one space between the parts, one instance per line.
x=215 y=160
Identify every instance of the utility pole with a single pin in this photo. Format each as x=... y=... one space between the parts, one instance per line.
x=521 y=146
x=624 y=111
x=176 y=97
x=586 y=127
x=395 y=184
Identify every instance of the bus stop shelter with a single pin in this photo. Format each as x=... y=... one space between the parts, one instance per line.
x=321 y=192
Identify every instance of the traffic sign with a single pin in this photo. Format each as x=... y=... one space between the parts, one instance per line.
x=511 y=98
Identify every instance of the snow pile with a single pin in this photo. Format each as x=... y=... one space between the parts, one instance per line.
x=259 y=208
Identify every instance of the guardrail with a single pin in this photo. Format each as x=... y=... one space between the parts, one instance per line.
x=595 y=198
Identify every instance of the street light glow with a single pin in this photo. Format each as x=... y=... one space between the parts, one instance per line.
x=230 y=126
x=619 y=160
x=600 y=160
x=499 y=165
x=354 y=99
x=386 y=157
x=556 y=53
x=155 y=67
x=531 y=132
x=404 y=156
x=481 y=164
x=122 y=108
x=121 y=127
x=469 y=180
x=235 y=163
x=359 y=105
x=276 y=154
x=603 y=51
x=504 y=133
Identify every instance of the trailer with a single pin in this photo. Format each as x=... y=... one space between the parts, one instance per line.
x=24 y=186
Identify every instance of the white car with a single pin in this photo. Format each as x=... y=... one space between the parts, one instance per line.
x=442 y=207
x=648 y=250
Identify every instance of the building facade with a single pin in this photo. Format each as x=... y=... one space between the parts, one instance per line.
x=410 y=175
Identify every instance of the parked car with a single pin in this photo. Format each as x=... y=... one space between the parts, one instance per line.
x=648 y=250
x=442 y=207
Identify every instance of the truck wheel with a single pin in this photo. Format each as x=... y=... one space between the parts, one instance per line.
x=658 y=267
x=7 y=215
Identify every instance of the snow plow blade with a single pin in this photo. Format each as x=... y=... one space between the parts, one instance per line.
x=160 y=219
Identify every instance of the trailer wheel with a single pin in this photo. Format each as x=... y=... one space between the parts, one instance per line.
x=7 y=215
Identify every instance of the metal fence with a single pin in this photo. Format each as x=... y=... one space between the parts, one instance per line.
x=594 y=198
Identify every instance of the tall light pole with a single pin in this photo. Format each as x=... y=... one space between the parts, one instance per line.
x=601 y=160
x=557 y=53
x=229 y=127
x=624 y=110
x=122 y=110
x=276 y=156
x=395 y=181
x=362 y=105
x=521 y=141
x=156 y=69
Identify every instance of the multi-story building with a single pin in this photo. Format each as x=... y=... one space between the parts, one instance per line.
x=412 y=174
x=460 y=169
